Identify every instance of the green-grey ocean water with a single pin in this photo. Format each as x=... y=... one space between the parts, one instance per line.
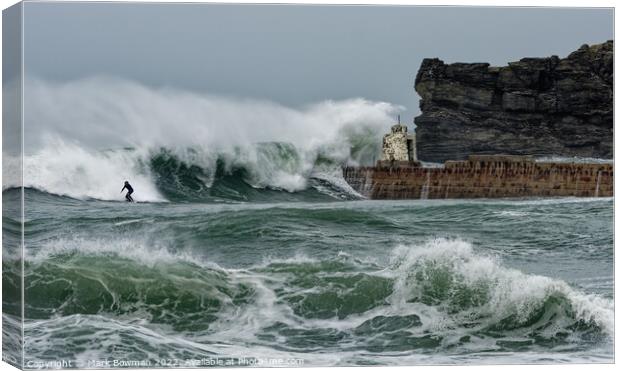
x=305 y=276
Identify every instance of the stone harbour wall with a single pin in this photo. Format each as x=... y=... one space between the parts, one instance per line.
x=483 y=177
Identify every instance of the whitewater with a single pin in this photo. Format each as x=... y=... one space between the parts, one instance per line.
x=246 y=243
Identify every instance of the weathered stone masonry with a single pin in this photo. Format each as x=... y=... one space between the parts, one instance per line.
x=399 y=145
x=482 y=177
x=471 y=112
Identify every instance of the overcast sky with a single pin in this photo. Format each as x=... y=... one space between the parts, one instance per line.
x=293 y=55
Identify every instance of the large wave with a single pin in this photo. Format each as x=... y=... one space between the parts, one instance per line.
x=84 y=138
x=441 y=296
x=261 y=172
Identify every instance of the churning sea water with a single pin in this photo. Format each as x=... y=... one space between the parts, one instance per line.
x=254 y=273
x=247 y=244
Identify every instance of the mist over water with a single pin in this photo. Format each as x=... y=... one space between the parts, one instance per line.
x=83 y=138
x=110 y=112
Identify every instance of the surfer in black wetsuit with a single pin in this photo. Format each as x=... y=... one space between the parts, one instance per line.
x=129 y=191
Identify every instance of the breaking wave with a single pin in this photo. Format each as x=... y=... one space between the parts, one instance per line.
x=429 y=297
x=262 y=172
x=178 y=145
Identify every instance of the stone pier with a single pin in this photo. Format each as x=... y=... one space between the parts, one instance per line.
x=483 y=176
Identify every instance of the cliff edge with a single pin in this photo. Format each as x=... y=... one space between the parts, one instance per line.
x=536 y=106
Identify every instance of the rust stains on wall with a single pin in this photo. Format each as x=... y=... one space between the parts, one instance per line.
x=483 y=177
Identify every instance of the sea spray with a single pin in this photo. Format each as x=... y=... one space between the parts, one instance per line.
x=68 y=169
x=113 y=112
x=189 y=174
x=124 y=126
x=442 y=287
x=450 y=275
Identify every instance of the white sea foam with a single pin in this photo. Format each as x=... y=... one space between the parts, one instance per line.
x=335 y=179
x=139 y=249
x=68 y=169
x=512 y=213
x=75 y=132
x=575 y=159
x=508 y=292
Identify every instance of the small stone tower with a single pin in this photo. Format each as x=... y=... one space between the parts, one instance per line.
x=399 y=145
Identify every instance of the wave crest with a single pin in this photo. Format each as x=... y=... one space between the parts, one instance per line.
x=476 y=289
x=442 y=289
x=271 y=146
x=261 y=172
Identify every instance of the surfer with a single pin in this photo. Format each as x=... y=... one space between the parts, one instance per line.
x=129 y=191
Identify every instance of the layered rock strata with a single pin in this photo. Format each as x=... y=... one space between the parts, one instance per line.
x=536 y=106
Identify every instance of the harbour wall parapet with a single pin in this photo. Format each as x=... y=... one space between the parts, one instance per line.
x=483 y=176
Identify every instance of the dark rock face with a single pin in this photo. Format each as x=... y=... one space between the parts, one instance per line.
x=536 y=106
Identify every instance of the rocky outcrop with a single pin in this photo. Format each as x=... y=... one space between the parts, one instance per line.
x=536 y=106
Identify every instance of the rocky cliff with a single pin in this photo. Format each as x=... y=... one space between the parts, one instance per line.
x=537 y=106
